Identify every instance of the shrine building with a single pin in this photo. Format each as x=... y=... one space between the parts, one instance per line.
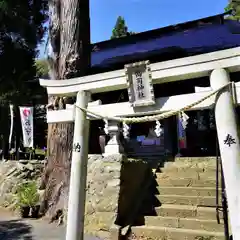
x=177 y=61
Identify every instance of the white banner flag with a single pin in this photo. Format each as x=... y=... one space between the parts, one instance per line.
x=26 y=114
x=182 y=138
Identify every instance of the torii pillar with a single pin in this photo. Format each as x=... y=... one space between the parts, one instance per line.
x=226 y=123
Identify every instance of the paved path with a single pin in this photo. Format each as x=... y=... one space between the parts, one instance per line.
x=13 y=228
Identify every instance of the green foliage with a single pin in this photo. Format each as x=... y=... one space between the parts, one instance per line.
x=120 y=29
x=236 y=7
x=21 y=29
x=27 y=194
x=42 y=68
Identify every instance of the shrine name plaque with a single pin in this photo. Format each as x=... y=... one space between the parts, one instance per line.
x=139 y=81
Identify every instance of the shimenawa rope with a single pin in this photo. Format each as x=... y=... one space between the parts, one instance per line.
x=156 y=116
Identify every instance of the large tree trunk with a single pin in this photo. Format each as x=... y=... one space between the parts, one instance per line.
x=70 y=41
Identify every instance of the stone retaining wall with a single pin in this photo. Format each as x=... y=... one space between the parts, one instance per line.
x=103 y=186
x=113 y=184
x=13 y=173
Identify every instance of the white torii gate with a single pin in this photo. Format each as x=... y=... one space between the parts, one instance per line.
x=216 y=65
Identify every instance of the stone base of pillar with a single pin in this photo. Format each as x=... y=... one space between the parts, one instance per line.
x=112 y=149
x=113 y=146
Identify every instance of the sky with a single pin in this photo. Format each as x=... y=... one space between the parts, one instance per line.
x=143 y=15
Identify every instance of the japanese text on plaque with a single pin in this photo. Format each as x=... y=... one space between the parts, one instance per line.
x=139 y=83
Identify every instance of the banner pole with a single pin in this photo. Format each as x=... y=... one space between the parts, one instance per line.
x=11 y=127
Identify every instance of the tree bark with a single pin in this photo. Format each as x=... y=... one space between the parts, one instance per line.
x=70 y=57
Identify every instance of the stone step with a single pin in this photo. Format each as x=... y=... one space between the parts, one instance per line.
x=185 y=211
x=187 y=200
x=195 y=159
x=186 y=164
x=188 y=191
x=186 y=182
x=193 y=175
x=171 y=169
x=163 y=233
x=174 y=222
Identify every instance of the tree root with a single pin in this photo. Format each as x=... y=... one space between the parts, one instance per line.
x=56 y=216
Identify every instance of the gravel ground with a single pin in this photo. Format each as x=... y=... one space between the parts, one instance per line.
x=13 y=228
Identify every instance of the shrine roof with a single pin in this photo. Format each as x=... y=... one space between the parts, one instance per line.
x=187 y=39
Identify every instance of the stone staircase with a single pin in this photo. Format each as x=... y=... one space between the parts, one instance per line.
x=181 y=204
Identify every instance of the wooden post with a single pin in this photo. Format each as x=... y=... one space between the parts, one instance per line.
x=77 y=187
x=229 y=144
